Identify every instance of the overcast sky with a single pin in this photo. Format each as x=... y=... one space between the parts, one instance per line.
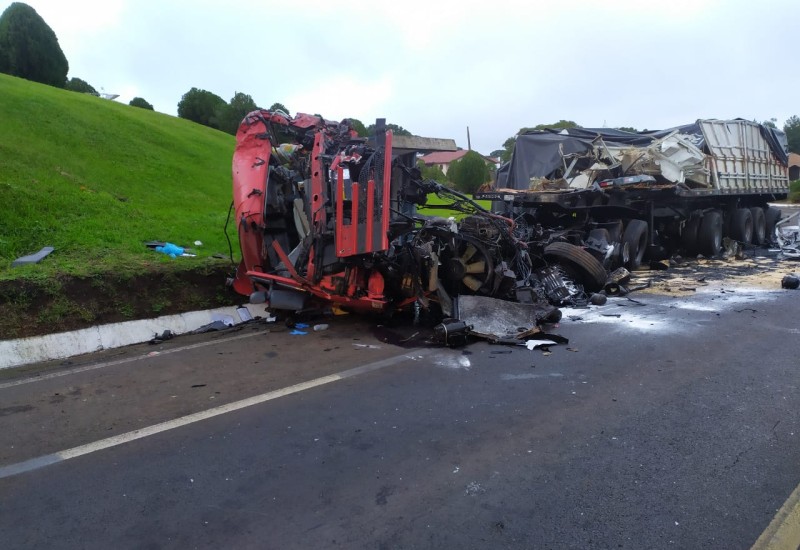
x=436 y=67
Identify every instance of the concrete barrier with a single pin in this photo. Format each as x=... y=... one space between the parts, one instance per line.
x=35 y=349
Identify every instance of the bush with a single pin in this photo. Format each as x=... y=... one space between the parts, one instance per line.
x=794 y=191
x=81 y=86
x=141 y=103
x=201 y=106
x=469 y=172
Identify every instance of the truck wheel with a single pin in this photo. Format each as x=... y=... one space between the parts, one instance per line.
x=759 y=225
x=690 y=229
x=709 y=236
x=742 y=225
x=772 y=216
x=635 y=237
x=590 y=271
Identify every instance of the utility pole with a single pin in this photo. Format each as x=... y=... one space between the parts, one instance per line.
x=469 y=144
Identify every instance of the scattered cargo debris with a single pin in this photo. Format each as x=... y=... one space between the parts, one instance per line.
x=787 y=234
x=170 y=249
x=163 y=337
x=452 y=332
x=498 y=320
x=791 y=282
x=34 y=258
x=211 y=327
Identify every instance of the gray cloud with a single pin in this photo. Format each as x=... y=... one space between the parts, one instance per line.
x=437 y=67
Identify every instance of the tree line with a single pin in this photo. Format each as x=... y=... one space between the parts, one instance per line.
x=29 y=49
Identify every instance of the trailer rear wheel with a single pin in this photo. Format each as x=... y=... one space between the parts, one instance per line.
x=772 y=216
x=690 y=229
x=759 y=225
x=709 y=236
x=741 y=228
x=591 y=272
x=635 y=237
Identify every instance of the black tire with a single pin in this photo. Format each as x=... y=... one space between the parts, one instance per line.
x=772 y=216
x=690 y=229
x=591 y=271
x=635 y=237
x=759 y=225
x=741 y=227
x=709 y=236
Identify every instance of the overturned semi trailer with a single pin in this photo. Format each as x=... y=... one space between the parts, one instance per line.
x=648 y=194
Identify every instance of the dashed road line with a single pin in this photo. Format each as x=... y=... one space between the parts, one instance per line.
x=61 y=456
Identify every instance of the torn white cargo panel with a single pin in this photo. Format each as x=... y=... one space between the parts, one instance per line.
x=742 y=159
x=674 y=157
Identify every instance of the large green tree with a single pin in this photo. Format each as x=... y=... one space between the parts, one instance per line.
x=79 y=85
x=432 y=172
x=359 y=127
x=231 y=115
x=29 y=48
x=201 y=106
x=469 y=172
x=280 y=107
x=792 y=129
x=508 y=145
x=141 y=102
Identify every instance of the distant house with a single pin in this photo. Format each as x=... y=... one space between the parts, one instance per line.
x=794 y=167
x=443 y=159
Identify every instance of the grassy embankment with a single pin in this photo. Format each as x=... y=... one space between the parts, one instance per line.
x=794 y=191
x=434 y=207
x=96 y=179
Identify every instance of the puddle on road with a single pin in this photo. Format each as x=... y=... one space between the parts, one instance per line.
x=652 y=317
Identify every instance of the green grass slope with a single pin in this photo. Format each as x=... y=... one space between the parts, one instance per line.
x=96 y=179
x=794 y=191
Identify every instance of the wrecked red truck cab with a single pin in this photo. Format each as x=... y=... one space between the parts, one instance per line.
x=327 y=217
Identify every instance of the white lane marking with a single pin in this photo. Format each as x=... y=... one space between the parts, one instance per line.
x=104 y=364
x=530 y=376
x=60 y=456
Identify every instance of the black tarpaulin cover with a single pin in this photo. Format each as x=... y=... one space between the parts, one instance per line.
x=538 y=154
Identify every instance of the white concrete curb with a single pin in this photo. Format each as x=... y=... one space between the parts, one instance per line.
x=23 y=351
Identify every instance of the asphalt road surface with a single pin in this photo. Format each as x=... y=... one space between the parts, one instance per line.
x=668 y=423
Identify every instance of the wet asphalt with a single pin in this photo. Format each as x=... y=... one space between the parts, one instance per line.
x=668 y=423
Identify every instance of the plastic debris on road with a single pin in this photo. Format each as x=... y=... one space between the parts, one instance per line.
x=533 y=344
